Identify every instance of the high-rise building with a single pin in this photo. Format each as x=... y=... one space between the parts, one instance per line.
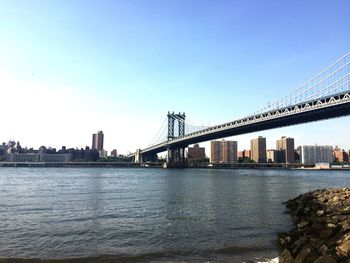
x=223 y=151
x=97 y=141
x=340 y=155
x=196 y=152
x=287 y=146
x=275 y=156
x=258 y=149
x=310 y=155
x=215 y=152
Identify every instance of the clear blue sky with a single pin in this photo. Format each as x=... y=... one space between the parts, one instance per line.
x=69 y=68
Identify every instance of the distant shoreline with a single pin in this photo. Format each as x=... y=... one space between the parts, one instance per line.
x=160 y=165
x=79 y=165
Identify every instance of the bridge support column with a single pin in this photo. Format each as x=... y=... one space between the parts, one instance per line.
x=138 y=156
x=181 y=154
x=171 y=130
x=176 y=155
x=181 y=151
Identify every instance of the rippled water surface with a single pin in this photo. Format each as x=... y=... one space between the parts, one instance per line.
x=139 y=215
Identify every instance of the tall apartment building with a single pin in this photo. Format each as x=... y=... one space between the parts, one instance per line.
x=286 y=145
x=340 y=155
x=258 y=149
x=97 y=141
x=310 y=155
x=276 y=156
x=223 y=151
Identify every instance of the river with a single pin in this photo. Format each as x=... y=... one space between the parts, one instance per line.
x=149 y=215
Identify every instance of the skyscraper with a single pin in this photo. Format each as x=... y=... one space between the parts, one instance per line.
x=287 y=146
x=223 y=151
x=258 y=149
x=97 y=141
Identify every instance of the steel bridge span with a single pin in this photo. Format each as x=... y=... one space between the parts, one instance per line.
x=315 y=110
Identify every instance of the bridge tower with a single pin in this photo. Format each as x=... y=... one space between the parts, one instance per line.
x=176 y=155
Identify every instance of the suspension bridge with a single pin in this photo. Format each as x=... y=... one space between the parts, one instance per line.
x=325 y=96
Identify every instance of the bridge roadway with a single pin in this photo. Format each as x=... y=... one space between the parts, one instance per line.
x=319 y=109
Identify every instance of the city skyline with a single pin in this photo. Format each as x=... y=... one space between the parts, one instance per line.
x=125 y=65
x=271 y=144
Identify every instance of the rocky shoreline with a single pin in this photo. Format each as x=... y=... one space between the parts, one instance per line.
x=321 y=232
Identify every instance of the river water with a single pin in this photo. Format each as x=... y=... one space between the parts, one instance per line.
x=149 y=215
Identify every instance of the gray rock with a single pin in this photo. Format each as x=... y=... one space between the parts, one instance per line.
x=286 y=257
x=325 y=259
x=321 y=230
x=302 y=255
x=298 y=244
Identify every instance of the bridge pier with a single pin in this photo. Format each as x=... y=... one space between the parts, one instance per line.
x=176 y=158
x=176 y=155
x=138 y=156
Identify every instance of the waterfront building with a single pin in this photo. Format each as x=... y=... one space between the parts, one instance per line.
x=275 y=156
x=258 y=149
x=340 y=155
x=39 y=157
x=195 y=152
x=97 y=141
x=244 y=154
x=223 y=151
x=3 y=149
x=103 y=153
x=11 y=144
x=297 y=154
x=286 y=145
x=114 y=153
x=55 y=158
x=270 y=156
x=310 y=155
